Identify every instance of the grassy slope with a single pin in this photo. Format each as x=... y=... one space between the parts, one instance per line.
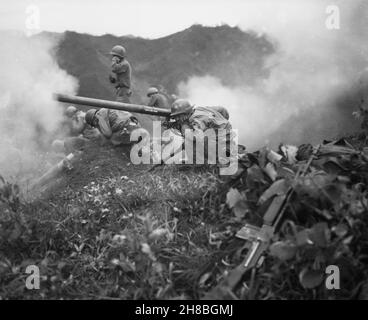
x=92 y=231
x=109 y=229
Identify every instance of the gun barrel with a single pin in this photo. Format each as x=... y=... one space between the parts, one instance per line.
x=98 y=103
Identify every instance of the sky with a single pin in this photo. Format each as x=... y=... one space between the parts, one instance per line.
x=149 y=18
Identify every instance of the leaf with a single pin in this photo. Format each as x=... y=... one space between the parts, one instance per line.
x=232 y=197
x=340 y=230
x=285 y=173
x=310 y=279
x=270 y=170
x=274 y=157
x=203 y=279
x=240 y=209
x=302 y=238
x=255 y=176
x=283 y=250
x=237 y=201
x=320 y=234
x=277 y=188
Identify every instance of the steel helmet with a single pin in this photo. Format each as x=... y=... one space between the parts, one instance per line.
x=152 y=91
x=70 y=111
x=90 y=115
x=118 y=51
x=180 y=106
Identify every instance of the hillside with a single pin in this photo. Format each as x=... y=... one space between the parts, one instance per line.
x=112 y=230
x=233 y=56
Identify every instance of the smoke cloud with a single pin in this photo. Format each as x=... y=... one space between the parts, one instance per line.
x=28 y=114
x=312 y=68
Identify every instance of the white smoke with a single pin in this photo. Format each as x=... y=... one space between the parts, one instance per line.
x=28 y=114
x=312 y=65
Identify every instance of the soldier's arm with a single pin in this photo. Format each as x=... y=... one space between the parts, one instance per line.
x=152 y=101
x=198 y=124
x=119 y=66
x=103 y=124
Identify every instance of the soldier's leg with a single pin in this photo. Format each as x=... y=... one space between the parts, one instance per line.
x=123 y=95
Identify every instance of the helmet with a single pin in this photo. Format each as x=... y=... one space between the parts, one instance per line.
x=90 y=115
x=151 y=91
x=118 y=51
x=70 y=111
x=180 y=106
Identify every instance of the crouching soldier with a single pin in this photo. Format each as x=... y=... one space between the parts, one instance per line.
x=76 y=131
x=78 y=125
x=198 y=124
x=115 y=126
x=81 y=132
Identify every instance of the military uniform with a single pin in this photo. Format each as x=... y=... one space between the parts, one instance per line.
x=204 y=118
x=116 y=125
x=159 y=100
x=123 y=72
x=82 y=133
x=221 y=110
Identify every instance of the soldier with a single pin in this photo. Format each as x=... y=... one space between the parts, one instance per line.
x=115 y=126
x=78 y=125
x=79 y=132
x=157 y=99
x=76 y=120
x=202 y=119
x=122 y=70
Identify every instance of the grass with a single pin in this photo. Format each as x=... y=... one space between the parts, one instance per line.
x=110 y=230
x=145 y=237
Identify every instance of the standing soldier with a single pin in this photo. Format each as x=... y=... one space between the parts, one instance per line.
x=123 y=72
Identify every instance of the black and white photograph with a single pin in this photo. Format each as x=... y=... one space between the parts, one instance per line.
x=184 y=151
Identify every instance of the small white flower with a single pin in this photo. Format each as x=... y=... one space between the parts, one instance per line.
x=115 y=262
x=119 y=238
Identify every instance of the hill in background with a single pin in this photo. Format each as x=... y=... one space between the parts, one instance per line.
x=233 y=56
